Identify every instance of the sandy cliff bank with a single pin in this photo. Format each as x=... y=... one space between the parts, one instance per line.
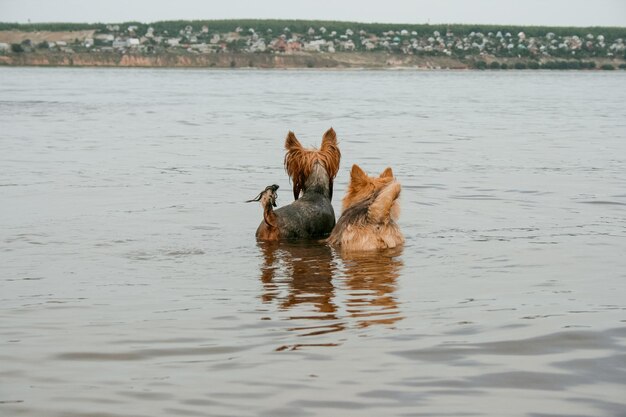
x=251 y=60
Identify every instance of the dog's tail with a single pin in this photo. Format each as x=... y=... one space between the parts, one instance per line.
x=270 y=191
x=380 y=209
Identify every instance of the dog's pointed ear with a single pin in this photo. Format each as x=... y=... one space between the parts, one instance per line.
x=358 y=176
x=294 y=163
x=329 y=139
x=331 y=155
x=291 y=142
x=387 y=173
x=380 y=209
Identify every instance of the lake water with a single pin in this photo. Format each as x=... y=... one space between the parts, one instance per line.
x=131 y=283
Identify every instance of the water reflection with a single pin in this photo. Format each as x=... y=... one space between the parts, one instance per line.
x=326 y=291
x=372 y=281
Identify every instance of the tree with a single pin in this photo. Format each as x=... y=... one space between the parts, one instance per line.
x=481 y=65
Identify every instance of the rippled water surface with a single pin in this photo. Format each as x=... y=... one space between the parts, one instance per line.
x=131 y=283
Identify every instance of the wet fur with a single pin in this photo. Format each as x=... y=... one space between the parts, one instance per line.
x=370 y=210
x=363 y=186
x=312 y=172
x=299 y=161
x=269 y=229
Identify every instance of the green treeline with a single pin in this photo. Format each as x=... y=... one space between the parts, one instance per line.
x=301 y=26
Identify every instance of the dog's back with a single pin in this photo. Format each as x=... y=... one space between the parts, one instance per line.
x=311 y=216
x=312 y=171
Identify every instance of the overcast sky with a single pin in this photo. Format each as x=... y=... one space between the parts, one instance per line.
x=526 y=12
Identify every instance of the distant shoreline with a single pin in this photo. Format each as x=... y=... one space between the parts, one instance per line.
x=285 y=44
x=345 y=60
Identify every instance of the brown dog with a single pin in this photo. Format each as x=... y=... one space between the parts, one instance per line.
x=370 y=209
x=312 y=171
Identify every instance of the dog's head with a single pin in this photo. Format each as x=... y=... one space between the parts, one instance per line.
x=300 y=162
x=363 y=186
x=369 y=224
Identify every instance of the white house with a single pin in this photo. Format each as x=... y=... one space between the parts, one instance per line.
x=259 y=46
x=314 y=46
x=215 y=39
x=348 y=45
x=201 y=47
x=105 y=37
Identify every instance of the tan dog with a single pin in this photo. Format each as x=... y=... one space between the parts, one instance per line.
x=362 y=186
x=370 y=209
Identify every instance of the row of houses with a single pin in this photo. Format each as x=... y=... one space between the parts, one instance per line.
x=322 y=40
x=325 y=40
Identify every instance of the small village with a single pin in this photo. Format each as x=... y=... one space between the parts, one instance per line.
x=146 y=39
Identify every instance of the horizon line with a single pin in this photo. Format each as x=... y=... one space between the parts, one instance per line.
x=306 y=20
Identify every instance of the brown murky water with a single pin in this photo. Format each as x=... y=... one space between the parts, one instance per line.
x=131 y=283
